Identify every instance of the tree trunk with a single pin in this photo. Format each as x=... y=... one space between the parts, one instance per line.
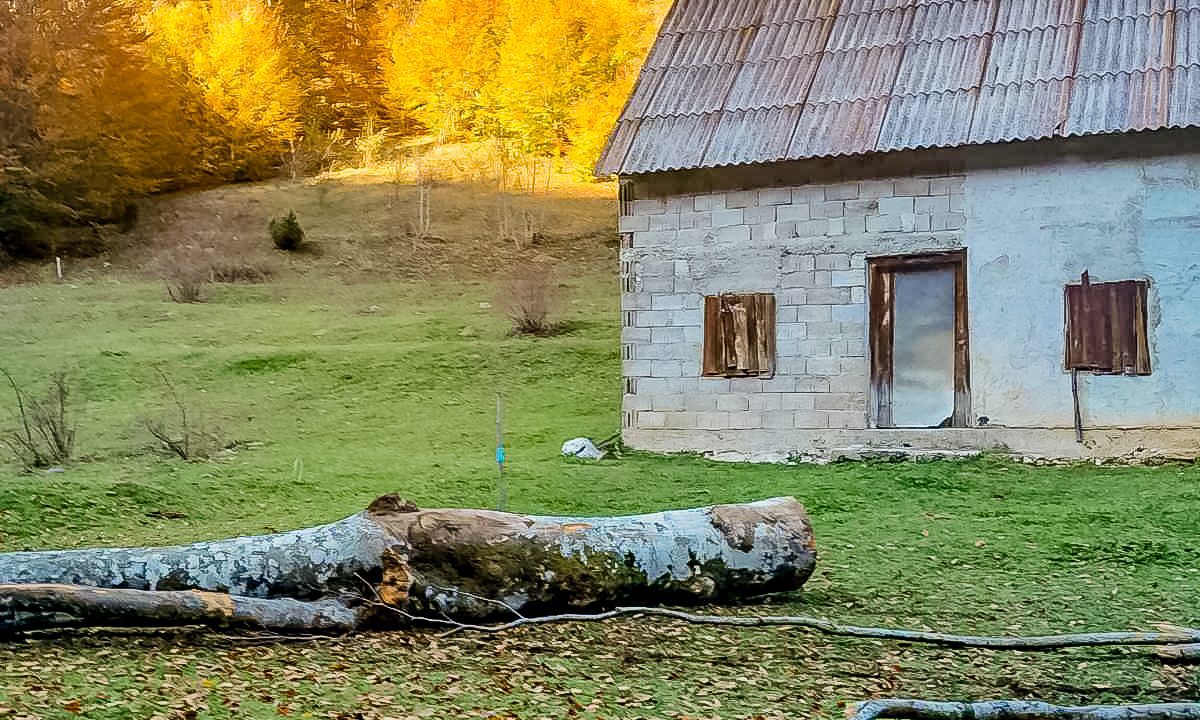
x=1019 y=710
x=468 y=565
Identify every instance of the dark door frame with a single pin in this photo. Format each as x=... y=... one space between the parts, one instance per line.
x=881 y=295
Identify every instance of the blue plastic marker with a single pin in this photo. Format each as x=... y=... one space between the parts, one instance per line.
x=502 y=501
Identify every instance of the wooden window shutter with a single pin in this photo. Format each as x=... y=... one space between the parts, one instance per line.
x=739 y=335
x=1107 y=327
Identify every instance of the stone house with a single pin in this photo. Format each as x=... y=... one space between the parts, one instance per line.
x=913 y=225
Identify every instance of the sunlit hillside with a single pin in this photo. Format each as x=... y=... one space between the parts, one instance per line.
x=104 y=102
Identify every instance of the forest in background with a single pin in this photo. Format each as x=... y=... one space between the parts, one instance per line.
x=105 y=101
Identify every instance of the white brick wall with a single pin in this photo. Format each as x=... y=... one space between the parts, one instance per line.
x=809 y=246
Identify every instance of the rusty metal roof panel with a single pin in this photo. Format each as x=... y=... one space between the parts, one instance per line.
x=927 y=120
x=752 y=136
x=1032 y=14
x=788 y=11
x=710 y=47
x=942 y=20
x=612 y=160
x=1185 y=97
x=643 y=93
x=699 y=15
x=750 y=81
x=1187 y=36
x=854 y=30
x=1105 y=9
x=1022 y=111
x=951 y=64
x=1031 y=55
x=772 y=83
x=1118 y=103
x=691 y=90
x=856 y=74
x=1126 y=44
x=789 y=39
x=842 y=128
x=669 y=143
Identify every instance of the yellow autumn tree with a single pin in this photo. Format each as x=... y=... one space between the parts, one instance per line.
x=235 y=51
x=440 y=56
x=88 y=121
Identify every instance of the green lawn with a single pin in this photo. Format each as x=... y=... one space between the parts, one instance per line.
x=339 y=393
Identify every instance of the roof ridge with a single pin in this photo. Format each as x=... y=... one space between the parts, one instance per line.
x=861 y=13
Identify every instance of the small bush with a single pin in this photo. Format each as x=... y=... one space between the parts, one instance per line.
x=286 y=232
x=185 y=273
x=532 y=298
x=182 y=436
x=46 y=435
x=234 y=270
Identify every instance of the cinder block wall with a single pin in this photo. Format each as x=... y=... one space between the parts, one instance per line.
x=806 y=244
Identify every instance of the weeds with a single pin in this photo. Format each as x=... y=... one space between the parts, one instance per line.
x=47 y=434
x=532 y=298
x=184 y=437
x=235 y=270
x=185 y=273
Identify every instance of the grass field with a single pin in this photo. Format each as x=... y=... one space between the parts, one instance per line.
x=340 y=392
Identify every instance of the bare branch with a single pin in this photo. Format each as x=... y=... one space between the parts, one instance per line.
x=1180 y=636
x=487 y=601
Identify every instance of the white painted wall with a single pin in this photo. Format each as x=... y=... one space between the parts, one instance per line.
x=1030 y=230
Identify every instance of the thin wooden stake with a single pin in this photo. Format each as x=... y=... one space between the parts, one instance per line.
x=502 y=484
x=1075 y=398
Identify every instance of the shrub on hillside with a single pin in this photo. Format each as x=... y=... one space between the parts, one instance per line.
x=286 y=232
x=532 y=298
x=46 y=433
x=181 y=435
x=239 y=270
x=185 y=273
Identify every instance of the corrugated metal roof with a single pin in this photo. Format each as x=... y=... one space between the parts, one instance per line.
x=733 y=82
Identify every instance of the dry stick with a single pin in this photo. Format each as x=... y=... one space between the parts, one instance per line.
x=1177 y=636
x=1019 y=710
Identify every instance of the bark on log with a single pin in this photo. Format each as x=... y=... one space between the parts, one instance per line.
x=468 y=565
x=38 y=607
x=1019 y=710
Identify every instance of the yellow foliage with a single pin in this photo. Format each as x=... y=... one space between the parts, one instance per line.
x=235 y=50
x=549 y=75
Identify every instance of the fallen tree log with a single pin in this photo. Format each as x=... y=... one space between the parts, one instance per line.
x=1018 y=710
x=464 y=565
x=39 y=607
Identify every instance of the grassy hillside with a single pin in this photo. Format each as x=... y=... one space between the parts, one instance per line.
x=337 y=385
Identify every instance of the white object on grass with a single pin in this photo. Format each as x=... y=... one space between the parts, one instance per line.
x=582 y=448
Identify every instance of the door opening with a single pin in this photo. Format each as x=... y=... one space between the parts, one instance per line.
x=918 y=338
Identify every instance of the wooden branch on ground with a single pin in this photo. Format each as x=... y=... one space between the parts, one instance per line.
x=1018 y=710
x=1183 y=637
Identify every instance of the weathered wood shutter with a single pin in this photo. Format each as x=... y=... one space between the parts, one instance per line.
x=739 y=335
x=1106 y=327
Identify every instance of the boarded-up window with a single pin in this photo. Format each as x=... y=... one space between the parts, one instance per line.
x=1106 y=327
x=739 y=335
